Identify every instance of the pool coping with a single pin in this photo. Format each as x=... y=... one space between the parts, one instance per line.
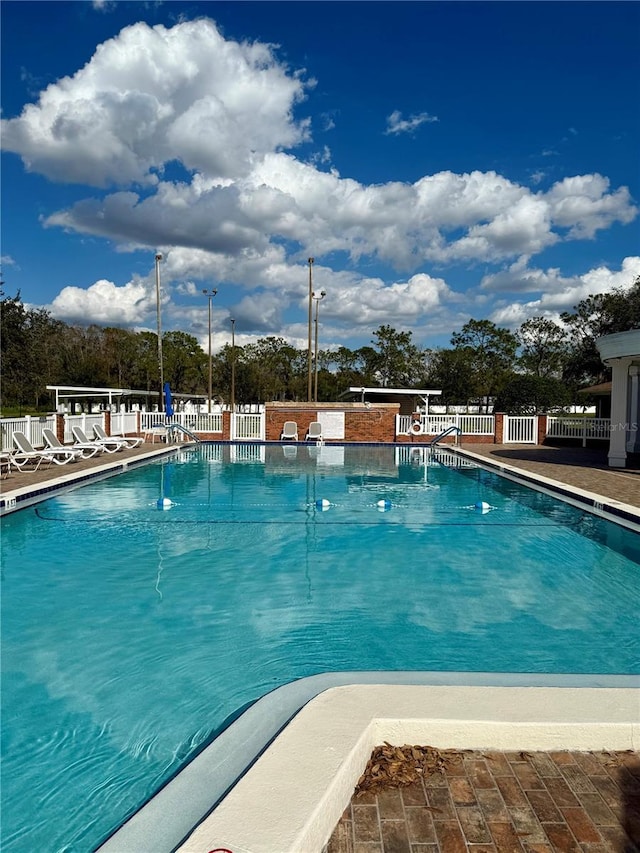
x=278 y=779
x=25 y=496
x=605 y=507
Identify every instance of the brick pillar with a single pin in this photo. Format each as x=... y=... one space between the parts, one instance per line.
x=498 y=428
x=226 y=425
x=106 y=416
x=60 y=427
x=542 y=428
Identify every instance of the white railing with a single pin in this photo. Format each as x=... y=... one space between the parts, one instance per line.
x=85 y=422
x=520 y=429
x=124 y=423
x=30 y=425
x=204 y=422
x=248 y=427
x=435 y=424
x=578 y=427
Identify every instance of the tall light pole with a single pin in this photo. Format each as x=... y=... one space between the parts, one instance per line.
x=233 y=365
x=210 y=294
x=317 y=300
x=159 y=323
x=309 y=344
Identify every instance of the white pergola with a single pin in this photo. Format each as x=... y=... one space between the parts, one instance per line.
x=423 y=393
x=111 y=395
x=621 y=352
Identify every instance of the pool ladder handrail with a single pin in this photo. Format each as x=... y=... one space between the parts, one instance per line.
x=173 y=428
x=443 y=434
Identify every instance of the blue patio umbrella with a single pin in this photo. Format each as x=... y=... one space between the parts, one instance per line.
x=168 y=405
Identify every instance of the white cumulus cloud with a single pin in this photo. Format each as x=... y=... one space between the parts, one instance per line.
x=152 y=95
x=105 y=303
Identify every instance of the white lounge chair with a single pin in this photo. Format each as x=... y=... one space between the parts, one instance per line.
x=26 y=454
x=110 y=446
x=86 y=450
x=127 y=441
x=314 y=433
x=5 y=465
x=289 y=431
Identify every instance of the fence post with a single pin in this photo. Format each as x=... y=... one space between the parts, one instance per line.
x=542 y=429
x=584 y=431
x=60 y=427
x=498 y=428
x=106 y=421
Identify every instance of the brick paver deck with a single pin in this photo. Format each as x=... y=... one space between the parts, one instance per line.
x=503 y=802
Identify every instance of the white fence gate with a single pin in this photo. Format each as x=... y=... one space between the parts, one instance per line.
x=248 y=427
x=520 y=429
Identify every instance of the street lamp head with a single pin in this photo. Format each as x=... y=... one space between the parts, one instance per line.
x=323 y=293
x=311 y=260
x=158 y=256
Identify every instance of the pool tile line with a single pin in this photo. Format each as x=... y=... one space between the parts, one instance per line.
x=599 y=504
x=25 y=496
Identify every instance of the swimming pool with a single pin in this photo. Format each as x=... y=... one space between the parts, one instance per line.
x=131 y=633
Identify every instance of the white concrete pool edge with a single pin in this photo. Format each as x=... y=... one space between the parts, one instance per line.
x=20 y=497
x=592 y=501
x=293 y=797
x=311 y=767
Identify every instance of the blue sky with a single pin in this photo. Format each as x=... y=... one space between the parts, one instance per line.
x=440 y=161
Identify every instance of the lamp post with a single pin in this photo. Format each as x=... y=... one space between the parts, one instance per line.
x=159 y=324
x=233 y=364
x=317 y=300
x=210 y=294
x=309 y=344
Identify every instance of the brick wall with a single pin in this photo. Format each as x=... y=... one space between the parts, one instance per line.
x=362 y=421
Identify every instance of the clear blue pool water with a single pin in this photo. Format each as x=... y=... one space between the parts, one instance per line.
x=130 y=634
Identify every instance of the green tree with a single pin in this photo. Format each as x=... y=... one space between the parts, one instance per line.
x=452 y=372
x=399 y=361
x=593 y=317
x=491 y=351
x=544 y=347
x=527 y=394
x=276 y=369
x=184 y=361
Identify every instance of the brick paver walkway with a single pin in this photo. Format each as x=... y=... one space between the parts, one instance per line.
x=503 y=802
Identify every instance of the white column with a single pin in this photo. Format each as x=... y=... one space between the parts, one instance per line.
x=619 y=412
x=633 y=430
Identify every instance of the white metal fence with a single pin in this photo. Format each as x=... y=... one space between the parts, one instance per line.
x=85 y=422
x=31 y=426
x=520 y=429
x=248 y=427
x=124 y=423
x=579 y=427
x=207 y=422
x=435 y=424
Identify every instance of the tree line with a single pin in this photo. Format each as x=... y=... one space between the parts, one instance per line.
x=539 y=367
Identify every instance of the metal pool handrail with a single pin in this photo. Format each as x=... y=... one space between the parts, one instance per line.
x=443 y=434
